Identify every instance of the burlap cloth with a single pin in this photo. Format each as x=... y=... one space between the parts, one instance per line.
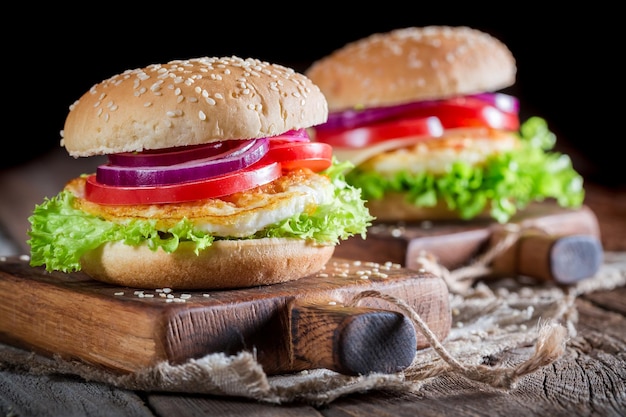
x=488 y=319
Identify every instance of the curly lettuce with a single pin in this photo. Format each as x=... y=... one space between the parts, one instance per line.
x=61 y=234
x=503 y=184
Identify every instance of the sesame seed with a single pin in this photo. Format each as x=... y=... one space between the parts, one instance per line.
x=174 y=113
x=201 y=115
x=157 y=85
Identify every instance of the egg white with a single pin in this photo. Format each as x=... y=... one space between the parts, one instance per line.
x=237 y=215
x=437 y=155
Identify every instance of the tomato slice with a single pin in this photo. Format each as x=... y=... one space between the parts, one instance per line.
x=468 y=112
x=257 y=174
x=316 y=156
x=424 y=127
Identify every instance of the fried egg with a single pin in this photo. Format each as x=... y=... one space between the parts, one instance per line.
x=437 y=155
x=237 y=215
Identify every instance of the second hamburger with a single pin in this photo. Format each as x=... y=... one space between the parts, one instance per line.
x=420 y=114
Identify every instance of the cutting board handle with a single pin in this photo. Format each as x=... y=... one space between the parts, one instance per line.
x=350 y=340
x=561 y=259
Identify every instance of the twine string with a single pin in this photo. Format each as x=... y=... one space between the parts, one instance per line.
x=461 y=279
x=549 y=347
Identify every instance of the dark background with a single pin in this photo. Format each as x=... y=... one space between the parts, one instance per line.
x=565 y=73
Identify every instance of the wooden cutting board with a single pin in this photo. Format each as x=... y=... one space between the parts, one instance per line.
x=555 y=243
x=305 y=324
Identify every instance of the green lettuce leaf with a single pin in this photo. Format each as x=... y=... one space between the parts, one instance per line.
x=60 y=234
x=504 y=184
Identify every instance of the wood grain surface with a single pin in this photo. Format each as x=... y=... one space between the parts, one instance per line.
x=589 y=380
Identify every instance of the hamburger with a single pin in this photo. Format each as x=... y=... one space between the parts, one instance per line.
x=422 y=115
x=211 y=181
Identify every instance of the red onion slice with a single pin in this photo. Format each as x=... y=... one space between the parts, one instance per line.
x=296 y=135
x=354 y=118
x=172 y=156
x=349 y=119
x=244 y=154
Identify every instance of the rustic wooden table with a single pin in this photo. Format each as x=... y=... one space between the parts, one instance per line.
x=590 y=379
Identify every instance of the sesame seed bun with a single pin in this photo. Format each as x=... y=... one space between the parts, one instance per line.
x=413 y=64
x=191 y=102
x=226 y=264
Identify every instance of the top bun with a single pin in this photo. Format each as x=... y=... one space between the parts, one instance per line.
x=191 y=102
x=413 y=64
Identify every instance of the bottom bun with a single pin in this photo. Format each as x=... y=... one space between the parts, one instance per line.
x=226 y=264
x=395 y=207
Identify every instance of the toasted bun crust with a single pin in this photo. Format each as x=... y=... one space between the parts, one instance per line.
x=395 y=207
x=413 y=64
x=191 y=102
x=226 y=264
